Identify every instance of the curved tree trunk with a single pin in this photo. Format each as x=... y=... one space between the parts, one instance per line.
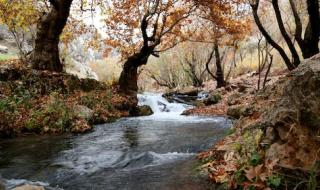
x=219 y=72
x=49 y=29
x=128 y=80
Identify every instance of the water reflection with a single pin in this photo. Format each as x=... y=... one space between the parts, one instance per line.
x=131 y=136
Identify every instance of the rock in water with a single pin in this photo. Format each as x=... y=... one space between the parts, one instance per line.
x=142 y=111
x=3 y=49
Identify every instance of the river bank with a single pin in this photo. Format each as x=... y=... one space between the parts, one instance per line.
x=275 y=142
x=41 y=102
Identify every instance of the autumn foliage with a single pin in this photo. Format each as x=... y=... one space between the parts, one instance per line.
x=132 y=24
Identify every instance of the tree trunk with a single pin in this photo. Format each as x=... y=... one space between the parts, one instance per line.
x=128 y=80
x=219 y=72
x=312 y=33
x=296 y=59
x=49 y=29
x=309 y=44
x=269 y=39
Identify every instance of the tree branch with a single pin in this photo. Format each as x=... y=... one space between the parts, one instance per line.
x=255 y=7
x=208 y=62
x=296 y=59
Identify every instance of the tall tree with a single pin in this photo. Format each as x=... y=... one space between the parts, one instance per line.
x=221 y=29
x=294 y=53
x=46 y=51
x=141 y=28
x=309 y=45
x=255 y=7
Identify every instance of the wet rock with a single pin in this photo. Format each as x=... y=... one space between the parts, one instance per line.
x=142 y=111
x=186 y=96
x=83 y=112
x=203 y=95
x=163 y=107
x=29 y=187
x=4 y=49
x=190 y=91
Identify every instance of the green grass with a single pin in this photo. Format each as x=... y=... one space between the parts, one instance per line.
x=5 y=57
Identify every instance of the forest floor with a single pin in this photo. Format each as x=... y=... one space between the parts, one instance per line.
x=41 y=102
x=275 y=142
x=240 y=91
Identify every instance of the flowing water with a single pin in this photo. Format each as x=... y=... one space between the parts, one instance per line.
x=153 y=152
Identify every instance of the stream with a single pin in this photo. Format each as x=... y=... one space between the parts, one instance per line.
x=141 y=153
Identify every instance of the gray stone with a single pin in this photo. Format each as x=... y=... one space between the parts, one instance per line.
x=84 y=112
x=142 y=111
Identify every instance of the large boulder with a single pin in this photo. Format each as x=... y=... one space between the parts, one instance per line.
x=83 y=112
x=294 y=117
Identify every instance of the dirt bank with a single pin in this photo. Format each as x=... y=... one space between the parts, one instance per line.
x=39 y=102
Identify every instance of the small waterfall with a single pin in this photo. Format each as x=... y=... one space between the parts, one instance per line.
x=160 y=106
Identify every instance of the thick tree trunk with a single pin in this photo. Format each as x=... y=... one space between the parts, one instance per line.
x=219 y=72
x=309 y=44
x=49 y=29
x=128 y=80
x=311 y=40
x=312 y=33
